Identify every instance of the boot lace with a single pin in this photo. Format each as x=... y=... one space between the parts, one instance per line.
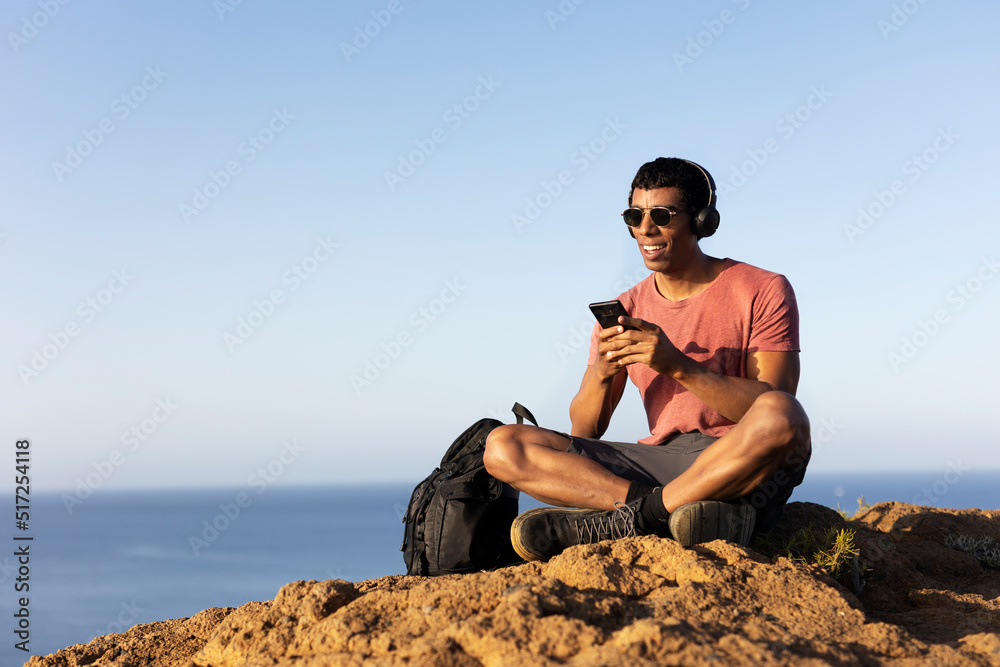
x=613 y=525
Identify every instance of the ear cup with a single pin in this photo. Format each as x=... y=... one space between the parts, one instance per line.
x=706 y=221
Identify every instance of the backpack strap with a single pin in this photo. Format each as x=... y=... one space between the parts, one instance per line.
x=523 y=413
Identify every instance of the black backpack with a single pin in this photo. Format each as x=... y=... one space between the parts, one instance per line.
x=459 y=517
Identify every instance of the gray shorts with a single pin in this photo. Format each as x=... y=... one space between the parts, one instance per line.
x=657 y=465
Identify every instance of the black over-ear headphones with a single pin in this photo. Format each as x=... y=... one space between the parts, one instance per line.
x=706 y=221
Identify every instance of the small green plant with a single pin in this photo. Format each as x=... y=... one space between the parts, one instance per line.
x=862 y=507
x=833 y=549
x=985 y=550
x=836 y=559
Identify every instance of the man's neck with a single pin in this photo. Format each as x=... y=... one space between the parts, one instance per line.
x=692 y=279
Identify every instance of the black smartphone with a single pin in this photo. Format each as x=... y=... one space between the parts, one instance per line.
x=608 y=312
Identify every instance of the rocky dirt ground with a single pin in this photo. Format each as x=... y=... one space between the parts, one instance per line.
x=637 y=601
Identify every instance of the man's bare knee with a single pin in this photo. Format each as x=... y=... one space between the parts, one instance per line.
x=779 y=424
x=503 y=450
x=505 y=454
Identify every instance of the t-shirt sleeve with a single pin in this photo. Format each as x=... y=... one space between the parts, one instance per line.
x=775 y=323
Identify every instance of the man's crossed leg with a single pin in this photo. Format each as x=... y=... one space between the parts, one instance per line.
x=770 y=442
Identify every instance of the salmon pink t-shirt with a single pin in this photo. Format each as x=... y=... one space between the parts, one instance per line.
x=745 y=309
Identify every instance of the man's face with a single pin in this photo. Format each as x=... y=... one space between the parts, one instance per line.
x=669 y=248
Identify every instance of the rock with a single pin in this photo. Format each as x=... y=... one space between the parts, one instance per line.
x=636 y=601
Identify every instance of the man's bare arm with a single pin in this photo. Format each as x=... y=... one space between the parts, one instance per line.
x=732 y=396
x=729 y=396
x=592 y=407
x=601 y=389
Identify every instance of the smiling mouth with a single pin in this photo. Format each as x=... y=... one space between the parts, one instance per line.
x=654 y=248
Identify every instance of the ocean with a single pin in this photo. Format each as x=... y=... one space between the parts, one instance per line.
x=122 y=558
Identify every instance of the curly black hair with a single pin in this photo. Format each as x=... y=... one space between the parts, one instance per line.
x=672 y=172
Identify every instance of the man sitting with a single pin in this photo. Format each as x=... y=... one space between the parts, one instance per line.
x=715 y=357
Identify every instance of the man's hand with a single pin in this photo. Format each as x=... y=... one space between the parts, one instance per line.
x=648 y=345
x=609 y=340
x=728 y=395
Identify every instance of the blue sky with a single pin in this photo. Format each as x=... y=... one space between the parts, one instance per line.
x=217 y=217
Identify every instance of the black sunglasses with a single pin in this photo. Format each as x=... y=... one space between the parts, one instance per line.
x=661 y=215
